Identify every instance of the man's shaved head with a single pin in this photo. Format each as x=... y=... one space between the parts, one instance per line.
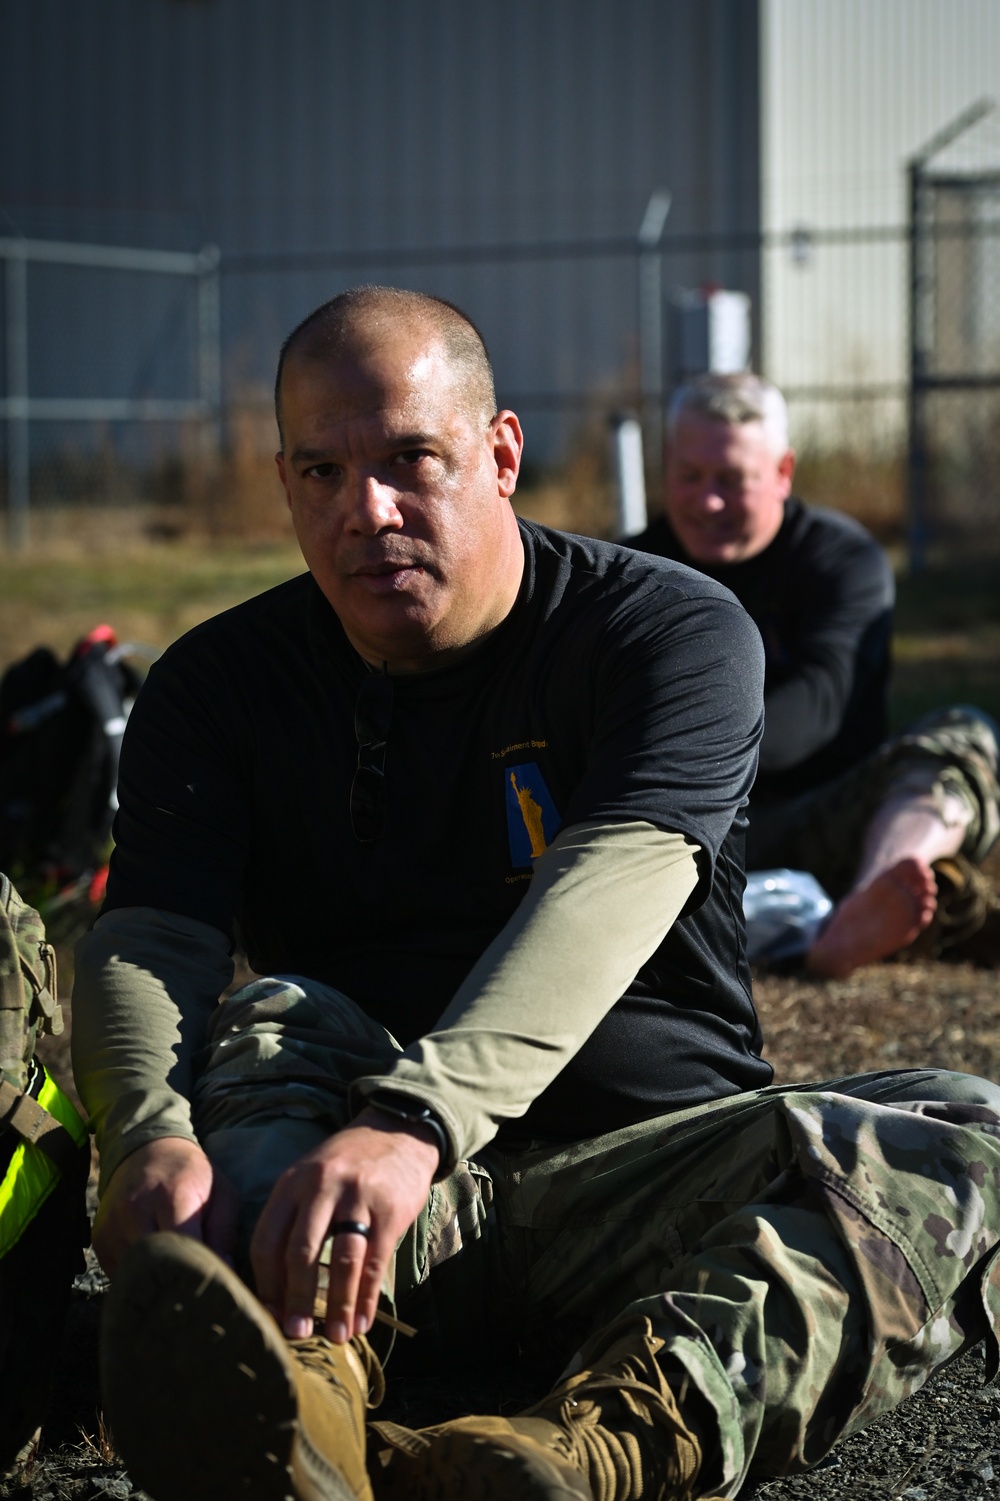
x=353 y=319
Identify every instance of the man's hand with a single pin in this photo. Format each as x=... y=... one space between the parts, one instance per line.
x=169 y=1184
x=377 y=1172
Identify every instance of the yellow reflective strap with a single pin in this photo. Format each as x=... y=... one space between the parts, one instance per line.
x=52 y=1099
x=31 y=1175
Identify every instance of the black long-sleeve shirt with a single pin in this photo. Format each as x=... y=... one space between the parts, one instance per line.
x=821 y=595
x=618 y=690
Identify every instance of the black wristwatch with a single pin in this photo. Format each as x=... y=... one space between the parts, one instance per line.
x=404 y=1108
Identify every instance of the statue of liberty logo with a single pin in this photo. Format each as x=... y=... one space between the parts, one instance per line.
x=532 y=818
x=532 y=814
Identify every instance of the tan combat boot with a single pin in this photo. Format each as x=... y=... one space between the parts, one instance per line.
x=206 y=1399
x=966 y=924
x=611 y=1433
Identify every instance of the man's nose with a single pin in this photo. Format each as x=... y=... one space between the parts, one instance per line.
x=711 y=499
x=374 y=508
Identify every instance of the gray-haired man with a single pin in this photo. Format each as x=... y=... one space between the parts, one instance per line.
x=883 y=823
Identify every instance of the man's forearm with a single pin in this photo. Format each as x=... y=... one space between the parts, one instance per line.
x=145 y=982
x=601 y=899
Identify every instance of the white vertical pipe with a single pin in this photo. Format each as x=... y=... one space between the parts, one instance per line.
x=630 y=477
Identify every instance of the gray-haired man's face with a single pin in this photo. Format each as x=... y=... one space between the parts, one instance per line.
x=725 y=488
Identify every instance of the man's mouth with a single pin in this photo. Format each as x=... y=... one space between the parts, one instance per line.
x=719 y=523
x=387 y=573
x=722 y=530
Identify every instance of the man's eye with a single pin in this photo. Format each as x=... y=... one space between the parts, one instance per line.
x=320 y=471
x=411 y=455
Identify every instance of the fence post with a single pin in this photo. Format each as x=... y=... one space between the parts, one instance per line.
x=921 y=330
x=917 y=456
x=210 y=350
x=18 y=452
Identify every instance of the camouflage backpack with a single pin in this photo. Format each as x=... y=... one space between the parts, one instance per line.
x=44 y=1162
x=28 y=1004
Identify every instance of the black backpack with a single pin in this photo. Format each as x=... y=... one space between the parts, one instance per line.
x=61 y=726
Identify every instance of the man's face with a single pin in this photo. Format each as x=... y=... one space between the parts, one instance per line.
x=725 y=488
x=399 y=496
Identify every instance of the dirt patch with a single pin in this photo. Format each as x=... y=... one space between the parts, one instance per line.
x=884 y=1016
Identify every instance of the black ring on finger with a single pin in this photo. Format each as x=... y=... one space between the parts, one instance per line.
x=350 y=1227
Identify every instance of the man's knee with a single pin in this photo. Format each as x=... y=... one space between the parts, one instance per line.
x=950 y=756
x=948 y=1088
x=963 y=725
x=926 y=1086
x=285 y=1046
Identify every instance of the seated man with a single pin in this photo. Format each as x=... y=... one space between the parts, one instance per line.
x=868 y=816
x=472 y=794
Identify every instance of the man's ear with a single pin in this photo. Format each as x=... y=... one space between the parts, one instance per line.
x=508 y=444
x=786 y=469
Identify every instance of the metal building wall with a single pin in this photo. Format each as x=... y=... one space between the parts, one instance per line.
x=380 y=125
x=851 y=92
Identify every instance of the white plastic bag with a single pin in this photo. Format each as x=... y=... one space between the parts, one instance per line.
x=784 y=911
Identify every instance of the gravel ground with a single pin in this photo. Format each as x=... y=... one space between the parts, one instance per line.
x=943 y=1444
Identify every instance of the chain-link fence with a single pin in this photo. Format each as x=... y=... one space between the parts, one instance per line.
x=114 y=389
x=954 y=438
x=112 y=367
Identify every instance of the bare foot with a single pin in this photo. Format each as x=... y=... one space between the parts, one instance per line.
x=880 y=918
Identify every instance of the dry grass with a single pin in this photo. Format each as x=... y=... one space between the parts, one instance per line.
x=929 y=1014
x=149 y=591
x=99 y=1446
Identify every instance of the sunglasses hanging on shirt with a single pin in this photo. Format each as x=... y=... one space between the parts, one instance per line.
x=372 y=714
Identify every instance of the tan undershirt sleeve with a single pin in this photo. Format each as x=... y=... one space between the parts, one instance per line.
x=146 y=981
x=601 y=899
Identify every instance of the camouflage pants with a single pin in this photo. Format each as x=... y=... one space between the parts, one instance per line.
x=949 y=754
x=809 y=1254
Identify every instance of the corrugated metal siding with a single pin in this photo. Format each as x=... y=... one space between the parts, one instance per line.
x=333 y=125
x=853 y=90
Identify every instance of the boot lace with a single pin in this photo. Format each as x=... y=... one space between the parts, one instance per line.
x=623 y=1429
x=335 y=1365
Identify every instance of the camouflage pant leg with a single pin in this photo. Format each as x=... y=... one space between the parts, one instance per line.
x=272 y=1083
x=808 y=1255
x=947 y=755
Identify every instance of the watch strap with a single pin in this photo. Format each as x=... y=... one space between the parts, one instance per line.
x=404 y=1108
